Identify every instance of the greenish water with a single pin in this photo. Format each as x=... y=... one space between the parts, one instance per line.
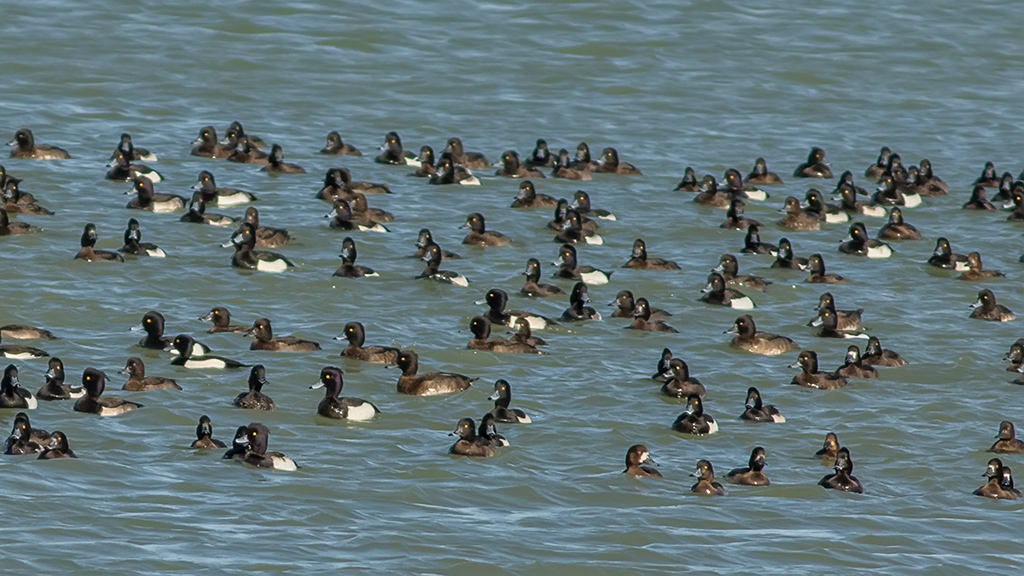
x=704 y=84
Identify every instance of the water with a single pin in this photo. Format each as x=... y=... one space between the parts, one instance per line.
x=706 y=84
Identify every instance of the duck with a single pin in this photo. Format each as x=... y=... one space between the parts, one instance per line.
x=188 y=357
x=148 y=200
x=1017 y=214
x=710 y=195
x=17 y=202
x=639 y=261
x=897 y=229
x=859 y=244
x=26 y=147
x=496 y=300
x=247 y=257
x=206 y=185
x=1006 y=440
x=349 y=268
x=238 y=443
x=254 y=398
x=846 y=320
x=1006 y=188
x=706 y=484
x=521 y=333
x=895 y=193
x=572 y=231
x=343 y=218
x=23 y=332
x=717 y=293
x=975 y=270
x=854 y=367
x=122 y=169
x=729 y=268
x=875 y=355
x=533 y=287
x=581 y=203
x=263 y=333
x=1000 y=482
x=828 y=322
x=57 y=447
x=447 y=172
x=541 y=155
x=625 y=307
x=245 y=151
x=335 y=146
x=137 y=379
x=926 y=177
x=986 y=308
x=501 y=412
x=204 y=435
x=265 y=237
x=846 y=194
x=207 y=145
x=829 y=449
x=784 y=258
x=89 y=254
x=480 y=326
x=578 y=310
x=424 y=241
x=1015 y=357
x=642 y=319
x=431 y=383
x=55 y=388
x=878 y=169
x=568 y=170
x=979 y=200
x=569 y=269
x=12 y=395
x=663 y=374
x=678 y=382
x=752 y=243
x=471 y=160
x=355 y=333
x=815 y=166
x=756 y=411
x=527 y=197
x=694 y=420
x=25 y=439
x=133 y=243
x=636 y=456
x=221 y=318
x=340 y=407
x=734 y=217
x=235 y=130
x=488 y=431
x=277 y=165
x=562 y=210
x=361 y=210
x=736 y=188
x=256 y=440
x=944 y=257
x=764 y=343
x=753 y=474
x=432 y=256
x=796 y=219
x=761 y=176
x=689 y=183
x=843 y=479
x=469 y=444
x=94 y=383
x=479 y=235
x=127 y=147
x=392 y=152
x=989 y=177
x=583 y=160
x=153 y=324
x=511 y=167
x=344 y=177
x=815 y=205
x=609 y=164
x=810 y=377
x=8 y=228
x=18 y=352
x=335 y=187
x=197 y=214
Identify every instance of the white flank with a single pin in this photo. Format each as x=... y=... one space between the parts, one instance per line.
x=271 y=265
x=744 y=303
x=595 y=278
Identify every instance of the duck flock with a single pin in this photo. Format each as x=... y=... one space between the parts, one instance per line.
x=891 y=188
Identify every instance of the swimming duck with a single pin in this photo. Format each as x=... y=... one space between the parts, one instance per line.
x=706 y=484
x=355 y=333
x=343 y=218
x=753 y=474
x=729 y=268
x=479 y=235
x=426 y=159
x=429 y=384
x=752 y=243
x=796 y=219
x=943 y=257
x=206 y=185
x=810 y=377
x=533 y=286
x=133 y=243
x=830 y=448
x=975 y=270
x=854 y=367
x=639 y=260
x=846 y=320
x=625 y=306
x=897 y=229
x=89 y=254
x=716 y=292
x=25 y=147
x=979 y=200
x=221 y=319
x=541 y=155
x=761 y=176
x=609 y=164
x=874 y=355
x=815 y=205
x=511 y=167
x=858 y=243
x=256 y=440
x=642 y=319
x=846 y=193
x=710 y=195
x=25 y=439
x=127 y=147
x=678 y=382
x=57 y=447
x=55 y=388
x=527 y=197
x=94 y=383
x=471 y=160
x=636 y=456
x=989 y=176
x=689 y=182
x=578 y=310
x=815 y=166
x=469 y=444
x=892 y=192
x=189 y=358
x=581 y=203
x=265 y=237
x=501 y=412
x=694 y=420
x=757 y=411
x=569 y=269
x=335 y=146
x=480 y=326
x=447 y=172
x=255 y=399
x=197 y=214
x=8 y=228
x=764 y=343
x=843 y=479
x=341 y=407
x=663 y=374
x=246 y=256
x=349 y=268
x=147 y=199
x=204 y=435
x=496 y=300
x=1000 y=482
x=432 y=256
x=263 y=333
x=564 y=168
x=122 y=169
x=392 y=152
x=986 y=308
x=18 y=352
x=878 y=169
x=277 y=165
x=1007 y=442
x=785 y=258
x=137 y=379
x=207 y=145
x=426 y=239
x=572 y=231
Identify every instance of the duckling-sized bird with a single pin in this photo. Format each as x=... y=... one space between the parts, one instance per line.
x=636 y=456
x=138 y=381
x=255 y=399
x=639 y=261
x=263 y=333
x=340 y=407
x=706 y=484
x=810 y=377
x=204 y=435
x=753 y=474
x=757 y=411
x=843 y=479
x=986 y=308
x=94 y=383
x=469 y=443
x=764 y=343
x=694 y=420
x=431 y=383
x=89 y=254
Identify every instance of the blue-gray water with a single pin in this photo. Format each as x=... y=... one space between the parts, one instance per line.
x=707 y=84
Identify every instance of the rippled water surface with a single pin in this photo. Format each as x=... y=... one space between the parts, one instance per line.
x=707 y=84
